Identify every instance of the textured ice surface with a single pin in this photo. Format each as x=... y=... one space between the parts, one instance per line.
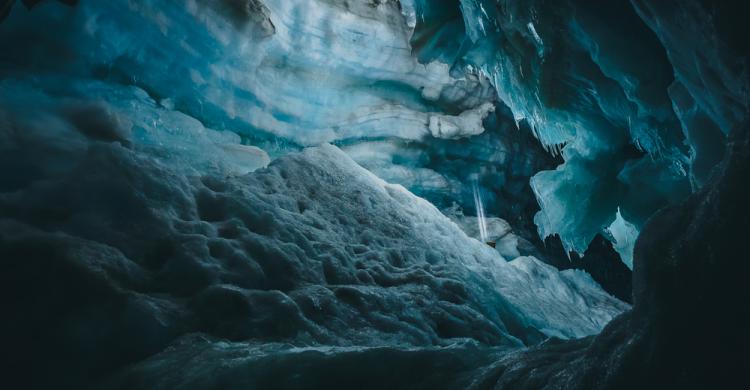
x=302 y=71
x=498 y=231
x=136 y=222
x=283 y=74
x=624 y=235
x=290 y=73
x=595 y=104
x=248 y=365
x=311 y=251
x=633 y=137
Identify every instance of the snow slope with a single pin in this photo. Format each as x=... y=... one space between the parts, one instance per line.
x=313 y=251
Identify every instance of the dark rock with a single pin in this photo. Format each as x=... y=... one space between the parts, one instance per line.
x=7 y=5
x=33 y=3
x=244 y=13
x=600 y=260
x=99 y=122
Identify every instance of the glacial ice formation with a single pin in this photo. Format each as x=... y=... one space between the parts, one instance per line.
x=595 y=104
x=624 y=235
x=124 y=192
x=246 y=187
x=687 y=278
x=396 y=77
x=312 y=253
x=284 y=75
x=633 y=138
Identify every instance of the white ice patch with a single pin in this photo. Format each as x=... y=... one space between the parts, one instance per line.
x=466 y=124
x=624 y=234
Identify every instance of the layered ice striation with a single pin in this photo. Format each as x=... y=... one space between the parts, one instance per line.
x=284 y=75
x=304 y=72
x=402 y=85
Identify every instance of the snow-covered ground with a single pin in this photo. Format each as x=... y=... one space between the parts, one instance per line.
x=312 y=251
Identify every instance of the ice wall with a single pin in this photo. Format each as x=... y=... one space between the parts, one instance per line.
x=389 y=81
x=283 y=75
x=205 y=70
x=607 y=87
x=302 y=71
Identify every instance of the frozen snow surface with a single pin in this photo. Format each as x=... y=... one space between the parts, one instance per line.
x=310 y=256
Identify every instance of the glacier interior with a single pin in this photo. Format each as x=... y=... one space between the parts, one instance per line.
x=305 y=194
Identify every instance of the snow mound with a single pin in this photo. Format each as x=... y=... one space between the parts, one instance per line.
x=313 y=250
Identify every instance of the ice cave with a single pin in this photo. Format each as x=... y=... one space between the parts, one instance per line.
x=374 y=194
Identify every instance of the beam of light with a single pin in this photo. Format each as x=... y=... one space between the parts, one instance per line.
x=481 y=221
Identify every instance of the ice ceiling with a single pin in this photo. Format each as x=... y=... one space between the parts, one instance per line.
x=388 y=81
x=407 y=89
